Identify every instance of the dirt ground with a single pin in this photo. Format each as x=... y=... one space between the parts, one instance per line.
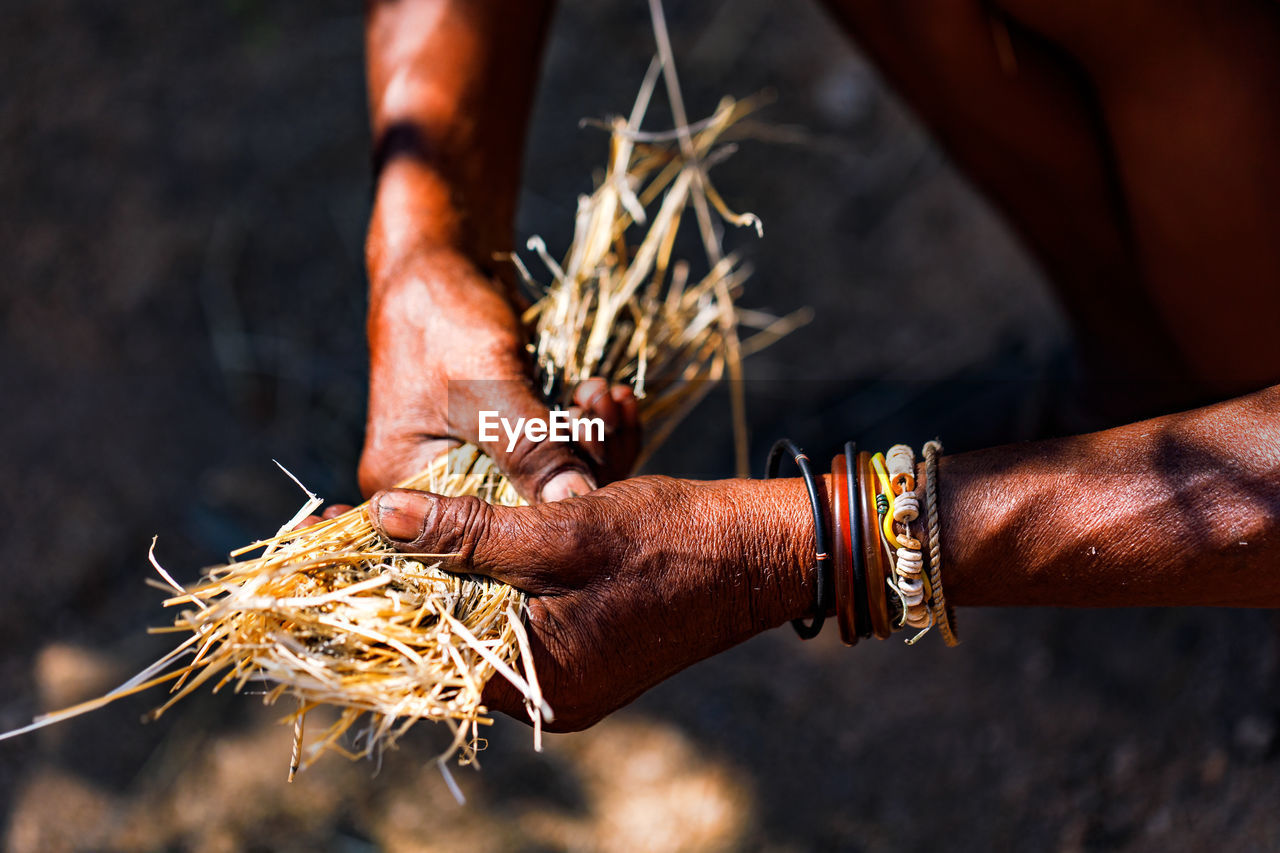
x=185 y=188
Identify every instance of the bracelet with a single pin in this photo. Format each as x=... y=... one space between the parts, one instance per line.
x=915 y=575
x=845 y=554
x=873 y=552
x=850 y=565
x=823 y=553
x=943 y=615
x=896 y=473
x=862 y=610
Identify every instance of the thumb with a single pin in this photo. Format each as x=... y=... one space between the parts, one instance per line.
x=514 y=427
x=470 y=535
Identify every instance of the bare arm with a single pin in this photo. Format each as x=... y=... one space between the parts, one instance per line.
x=450 y=87
x=1131 y=146
x=647 y=576
x=1179 y=510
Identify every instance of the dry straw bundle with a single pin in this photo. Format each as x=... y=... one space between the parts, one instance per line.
x=332 y=615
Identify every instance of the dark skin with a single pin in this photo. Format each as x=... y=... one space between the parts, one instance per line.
x=450 y=86
x=1131 y=146
x=646 y=576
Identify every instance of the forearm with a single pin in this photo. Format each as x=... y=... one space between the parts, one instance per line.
x=450 y=86
x=1182 y=510
x=1177 y=511
x=641 y=578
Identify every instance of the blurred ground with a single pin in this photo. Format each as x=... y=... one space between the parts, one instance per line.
x=185 y=188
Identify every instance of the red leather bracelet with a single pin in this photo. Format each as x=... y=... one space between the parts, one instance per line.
x=846 y=610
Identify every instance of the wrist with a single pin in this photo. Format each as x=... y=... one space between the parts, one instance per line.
x=420 y=212
x=431 y=280
x=773 y=543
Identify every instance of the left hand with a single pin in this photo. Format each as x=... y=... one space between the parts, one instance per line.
x=627 y=585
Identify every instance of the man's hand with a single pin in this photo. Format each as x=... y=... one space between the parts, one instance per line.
x=445 y=343
x=627 y=585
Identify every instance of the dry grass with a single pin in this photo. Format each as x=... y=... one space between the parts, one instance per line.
x=332 y=615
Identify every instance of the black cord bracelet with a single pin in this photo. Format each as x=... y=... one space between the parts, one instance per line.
x=823 y=555
x=861 y=605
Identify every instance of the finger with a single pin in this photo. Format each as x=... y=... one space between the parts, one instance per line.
x=477 y=537
x=624 y=449
x=592 y=400
x=331 y=512
x=545 y=469
x=628 y=406
x=588 y=389
x=616 y=405
x=589 y=444
x=593 y=396
x=571 y=483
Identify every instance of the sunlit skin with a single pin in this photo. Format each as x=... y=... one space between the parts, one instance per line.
x=449 y=89
x=1133 y=149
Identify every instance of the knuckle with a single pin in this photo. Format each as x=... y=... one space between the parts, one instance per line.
x=559 y=542
x=522 y=457
x=463 y=524
x=453 y=525
x=533 y=457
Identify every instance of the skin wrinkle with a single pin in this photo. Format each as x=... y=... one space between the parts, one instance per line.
x=701 y=555
x=438 y=96
x=562 y=533
x=473 y=523
x=1105 y=151
x=685 y=549
x=642 y=588
x=1147 y=514
x=424 y=319
x=604 y=585
x=745 y=590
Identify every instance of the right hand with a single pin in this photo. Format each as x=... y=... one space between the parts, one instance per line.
x=627 y=585
x=438 y=327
